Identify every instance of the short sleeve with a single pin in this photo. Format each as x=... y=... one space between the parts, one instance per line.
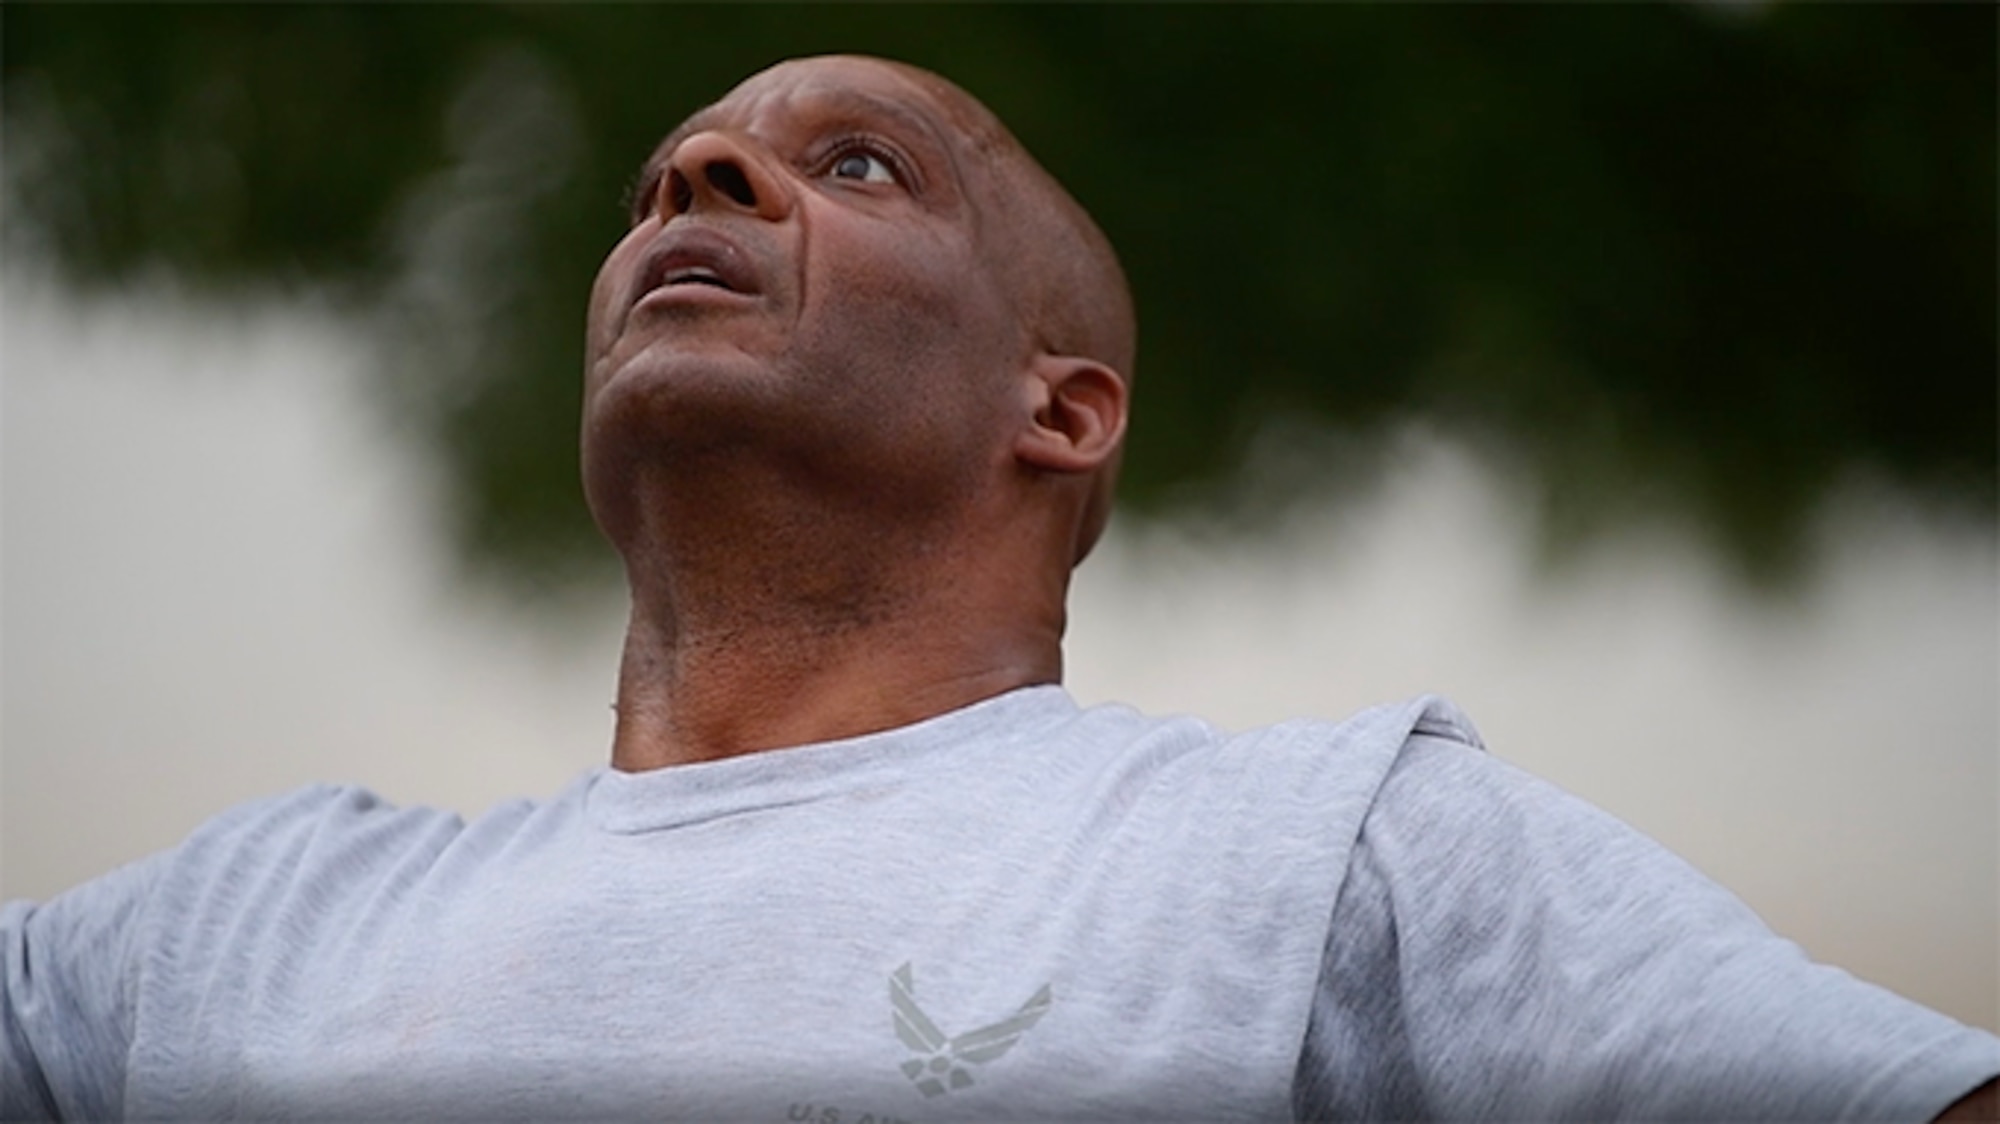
x=1501 y=950
x=68 y=995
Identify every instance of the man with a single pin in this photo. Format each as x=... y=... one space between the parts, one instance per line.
x=856 y=385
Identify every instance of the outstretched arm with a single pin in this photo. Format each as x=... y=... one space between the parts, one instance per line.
x=1508 y=952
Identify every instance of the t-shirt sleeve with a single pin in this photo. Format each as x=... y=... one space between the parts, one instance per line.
x=85 y=970
x=1501 y=950
x=67 y=998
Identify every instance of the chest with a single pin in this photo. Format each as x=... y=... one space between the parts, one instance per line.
x=852 y=984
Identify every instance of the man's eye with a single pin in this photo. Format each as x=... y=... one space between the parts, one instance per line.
x=865 y=167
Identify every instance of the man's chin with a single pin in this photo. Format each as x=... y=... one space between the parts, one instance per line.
x=678 y=364
x=681 y=401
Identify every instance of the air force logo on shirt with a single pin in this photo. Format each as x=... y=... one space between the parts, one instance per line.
x=940 y=1066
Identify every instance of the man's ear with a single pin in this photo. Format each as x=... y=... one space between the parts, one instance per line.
x=1076 y=411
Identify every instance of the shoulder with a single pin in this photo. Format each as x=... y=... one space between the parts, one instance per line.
x=301 y=875
x=1322 y=772
x=271 y=837
x=1317 y=779
x=276 y=868
x=312 y=847
x=1357 y=752
x=321 y=828
x=80 y=967
x=1286 y=803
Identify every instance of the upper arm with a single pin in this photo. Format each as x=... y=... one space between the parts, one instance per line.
x=1548 y=962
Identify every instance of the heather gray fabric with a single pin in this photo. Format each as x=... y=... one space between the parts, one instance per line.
x=1020 y=910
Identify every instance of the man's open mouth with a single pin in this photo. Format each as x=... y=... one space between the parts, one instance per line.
x=696 y=275
x=694 y=256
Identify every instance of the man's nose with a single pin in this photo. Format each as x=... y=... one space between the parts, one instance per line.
x=717 y=170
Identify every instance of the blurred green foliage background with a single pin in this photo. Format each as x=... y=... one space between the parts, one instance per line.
x=1696 y=260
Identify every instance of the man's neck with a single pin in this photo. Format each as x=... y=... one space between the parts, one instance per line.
x=678 y=705
x=723 y=660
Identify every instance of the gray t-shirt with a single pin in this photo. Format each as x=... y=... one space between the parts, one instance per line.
x=1018 y=910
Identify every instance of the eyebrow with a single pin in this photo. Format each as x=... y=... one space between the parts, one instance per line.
x=855 y=104
x=839 y=103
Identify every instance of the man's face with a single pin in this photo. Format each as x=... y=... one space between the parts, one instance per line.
x=804 y=272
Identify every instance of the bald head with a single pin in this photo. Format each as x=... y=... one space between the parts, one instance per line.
x=874 y=226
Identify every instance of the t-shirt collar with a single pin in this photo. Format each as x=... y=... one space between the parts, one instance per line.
x=676 y=795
